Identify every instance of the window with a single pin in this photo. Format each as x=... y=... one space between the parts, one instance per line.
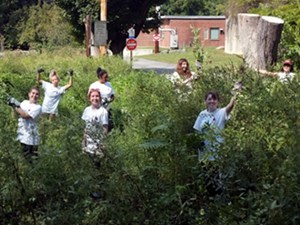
x=214 y=34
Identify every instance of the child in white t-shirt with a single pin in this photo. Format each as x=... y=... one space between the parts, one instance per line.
x=107 y=93
x=104 y=86
x=96 y=119
x=29 y=111
x=53 y=92
x=286 y=74
x=211 y=122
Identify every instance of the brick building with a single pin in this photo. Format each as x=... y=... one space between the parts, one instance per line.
x=176 y=31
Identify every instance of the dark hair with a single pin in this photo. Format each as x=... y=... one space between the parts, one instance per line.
x=179 y=68
x=290 y=63
x=98 y=70
x=34 y=88
x=214 y=95
x=101 y=73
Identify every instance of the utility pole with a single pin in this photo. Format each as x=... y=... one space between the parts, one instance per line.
x=103 y=17
x=156 y=42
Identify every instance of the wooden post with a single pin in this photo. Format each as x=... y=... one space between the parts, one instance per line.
x=156 y=43
x=103 y=17
x=87 y=35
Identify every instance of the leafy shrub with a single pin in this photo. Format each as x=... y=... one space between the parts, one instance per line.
x=150 y=174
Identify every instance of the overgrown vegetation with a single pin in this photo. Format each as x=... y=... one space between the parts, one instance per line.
x=150 y=174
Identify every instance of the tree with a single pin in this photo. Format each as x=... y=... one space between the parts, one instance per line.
x=45 y=26
x=191 y=7
x=286 y=10
x=121 y=16
x=290 y=43
x=11 y=12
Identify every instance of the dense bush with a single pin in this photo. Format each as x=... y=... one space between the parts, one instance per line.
x=151 y=174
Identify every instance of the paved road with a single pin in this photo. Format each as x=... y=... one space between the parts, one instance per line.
x=159 y=67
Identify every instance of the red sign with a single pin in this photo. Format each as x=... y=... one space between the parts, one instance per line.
x=131 y=44
x=156 y=37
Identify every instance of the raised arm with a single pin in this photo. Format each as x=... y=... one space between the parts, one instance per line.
x=38 y=76
x=268 y=73
x=70 y=80
x=231 y=104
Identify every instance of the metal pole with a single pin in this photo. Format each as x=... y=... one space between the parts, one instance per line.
x=103 y=17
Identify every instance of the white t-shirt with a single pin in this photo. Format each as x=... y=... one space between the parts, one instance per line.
x=211 y=120
x=94 y=119
x=52 y=97
x=106 y=90
x=285 y=77
x=27 y=132
x=176 y=78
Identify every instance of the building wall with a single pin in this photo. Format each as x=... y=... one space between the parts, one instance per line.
x=210 y=27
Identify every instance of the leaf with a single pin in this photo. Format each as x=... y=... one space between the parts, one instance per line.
x=153 y=144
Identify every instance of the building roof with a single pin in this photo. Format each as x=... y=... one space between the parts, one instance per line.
x=194 y=17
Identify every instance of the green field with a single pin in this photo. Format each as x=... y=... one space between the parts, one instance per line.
x=215 y=57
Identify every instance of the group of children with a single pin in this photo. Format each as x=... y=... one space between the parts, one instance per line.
x=96 y=115
x=211 y=121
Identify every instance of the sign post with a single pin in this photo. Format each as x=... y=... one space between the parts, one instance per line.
x=156 y=38
x=131 y=44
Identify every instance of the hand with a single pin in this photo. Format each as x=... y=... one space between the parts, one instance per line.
x=198 y=65
x=40 y=70
x=237 y=87
x=71 y=72
x=11 y=101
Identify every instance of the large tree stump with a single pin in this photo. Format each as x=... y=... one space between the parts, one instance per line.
x=232 y=36
x=247 y=26
x=268 y=37
x=254 y=37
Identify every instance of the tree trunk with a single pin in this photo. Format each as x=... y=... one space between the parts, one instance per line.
x=254 y=37
x=247 y=26
x=232 y=36
x=268 y=38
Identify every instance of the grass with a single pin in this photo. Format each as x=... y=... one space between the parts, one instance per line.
x=215 y=57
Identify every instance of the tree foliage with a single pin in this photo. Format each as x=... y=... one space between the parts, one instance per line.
x=288 y=11
x=45 y=27
x=193 y=7
x=121 y=16
x=11 y=12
